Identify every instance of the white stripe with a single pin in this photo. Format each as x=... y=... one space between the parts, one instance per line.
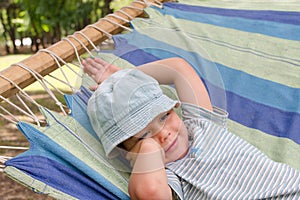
x=224 y=170
x=232 y=165
x=261 y=180
x=244 y=177
x=238 y=164
x=270 y=187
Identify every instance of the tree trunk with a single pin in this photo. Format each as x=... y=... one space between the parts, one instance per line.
x=5 y=33
x=11 y=28
x=106 y=9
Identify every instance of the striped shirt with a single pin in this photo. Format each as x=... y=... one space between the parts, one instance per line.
x=220 y=165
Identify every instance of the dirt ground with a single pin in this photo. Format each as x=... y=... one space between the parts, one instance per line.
x=9 y=135
x=10 y=189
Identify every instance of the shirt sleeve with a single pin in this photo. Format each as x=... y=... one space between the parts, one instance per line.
x=175 y=185
x=191 y=111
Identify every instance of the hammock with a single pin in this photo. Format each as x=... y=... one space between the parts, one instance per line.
x=251 y=56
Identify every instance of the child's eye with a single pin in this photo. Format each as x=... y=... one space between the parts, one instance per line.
x=146 y=135
x=165 y=117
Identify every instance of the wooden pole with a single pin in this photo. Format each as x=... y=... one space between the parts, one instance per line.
x=43 y=63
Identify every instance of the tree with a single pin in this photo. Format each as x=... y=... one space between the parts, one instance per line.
x=8 y=15
x=46 y=22
x=3 y=28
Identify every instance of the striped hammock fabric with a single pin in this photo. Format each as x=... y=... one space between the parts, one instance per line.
x=256 y=64
x=246 y=53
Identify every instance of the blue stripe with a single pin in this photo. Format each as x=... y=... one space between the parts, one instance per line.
x=161 y=51
x=262 y=117
x=285 y=31
x=84 y=94
x=60 y=177
x=42 y=145
x=77 y=103
x=260 y=90
x=234 y=81
x=248 y=112
x=124 y=48
x=287 y=17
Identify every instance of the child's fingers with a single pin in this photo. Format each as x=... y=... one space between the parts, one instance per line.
x=98 y=69
x=93 y=87
x=87 y=66
x=101 y=62
x=92 y=68
x=93 y=64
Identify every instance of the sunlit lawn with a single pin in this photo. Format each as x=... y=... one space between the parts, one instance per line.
x=6 y=61
x=36 y=91
x=9 y=135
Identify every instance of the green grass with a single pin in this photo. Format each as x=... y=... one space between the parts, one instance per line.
x=36 y=91
x=6 y=61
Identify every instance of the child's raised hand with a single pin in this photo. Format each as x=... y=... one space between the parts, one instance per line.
x=98 y=69
x=147 y=155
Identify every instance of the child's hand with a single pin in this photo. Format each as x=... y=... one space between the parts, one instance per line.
x=148 y=179
x=98 y=69
x=147 y=155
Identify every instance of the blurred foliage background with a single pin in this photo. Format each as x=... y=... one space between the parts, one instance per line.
x=40 y=23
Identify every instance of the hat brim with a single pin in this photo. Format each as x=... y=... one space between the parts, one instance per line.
x=137 y=122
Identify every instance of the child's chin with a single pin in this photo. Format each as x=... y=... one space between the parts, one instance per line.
x=177 y=156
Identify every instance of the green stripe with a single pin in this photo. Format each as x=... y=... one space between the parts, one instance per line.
x=35 y=184
x=235 y=49
x=289 y=5
x=58 y=134
x=278 y=149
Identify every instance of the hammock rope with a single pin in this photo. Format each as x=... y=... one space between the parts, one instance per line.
x=88 y=39
x=11 y=119
x=45 y=83
x=56 y=58
x=42 y=81
x=100 y=30
x=126 y=14
x=33 y=117
x=86 y=49
x=155 y=3
x=118 y=17
x=59 y=59
x=89 y=36
x=76 y=52
x=40 y=78
x=111 y=21
x=81 y=42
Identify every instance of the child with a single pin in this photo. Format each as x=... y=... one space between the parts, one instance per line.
x=195 y=157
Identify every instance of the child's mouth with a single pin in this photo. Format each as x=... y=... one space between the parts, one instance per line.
x=171 y=145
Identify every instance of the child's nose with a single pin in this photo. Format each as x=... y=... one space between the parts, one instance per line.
x=161 y=131
x=163 y=135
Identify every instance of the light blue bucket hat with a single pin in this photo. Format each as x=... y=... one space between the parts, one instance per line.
x=124 y=104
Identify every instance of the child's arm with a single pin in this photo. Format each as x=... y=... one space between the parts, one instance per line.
x=189 y=86
x=149 y=184
x=177 y=71
x=148 y=179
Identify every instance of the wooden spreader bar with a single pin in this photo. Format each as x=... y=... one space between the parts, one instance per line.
x=43 y=63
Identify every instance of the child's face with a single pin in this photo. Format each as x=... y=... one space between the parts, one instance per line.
x=169 y=131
